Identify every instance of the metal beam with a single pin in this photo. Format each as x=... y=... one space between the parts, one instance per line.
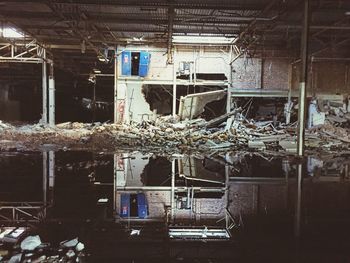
x=158 y=4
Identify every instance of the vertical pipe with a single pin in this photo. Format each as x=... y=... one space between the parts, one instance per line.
x=51 y=96
x=115 y=84
x=44 y=88
x=174 y=83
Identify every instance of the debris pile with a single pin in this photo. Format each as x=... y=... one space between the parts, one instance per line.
x=17 y=245
x=229 y=131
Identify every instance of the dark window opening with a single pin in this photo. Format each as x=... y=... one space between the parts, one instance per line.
x=135 y=62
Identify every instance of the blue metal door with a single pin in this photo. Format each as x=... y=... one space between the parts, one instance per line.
x=126 y=63
x=142 y=205
x=125 y=205
x=144 y=63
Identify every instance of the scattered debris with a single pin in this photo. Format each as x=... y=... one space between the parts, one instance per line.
x=329 y=128
x=31 y=249
x=30 y=243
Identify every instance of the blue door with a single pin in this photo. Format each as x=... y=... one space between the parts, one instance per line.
x=125 y=205
x=142 y=205
x=126 y=63
x=144 y=63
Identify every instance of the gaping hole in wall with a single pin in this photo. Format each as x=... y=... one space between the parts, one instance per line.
x=85 y=101
x=264 y=109
x=160 y=98
x=76 y=99
x=20 y=92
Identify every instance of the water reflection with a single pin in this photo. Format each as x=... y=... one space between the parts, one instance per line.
x=131 y=201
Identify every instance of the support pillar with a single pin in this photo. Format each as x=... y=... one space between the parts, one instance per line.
x=51 y=173
x=172 y=190
x=115 y=85
x=229 y=92
x=51 y=96
x=44 y=87
x=174 y=83
x=44 y=182
x=301 y=115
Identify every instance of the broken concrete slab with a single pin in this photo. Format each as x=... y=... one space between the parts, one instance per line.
x=193 y=105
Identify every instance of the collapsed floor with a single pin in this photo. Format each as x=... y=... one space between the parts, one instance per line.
x=230 y=131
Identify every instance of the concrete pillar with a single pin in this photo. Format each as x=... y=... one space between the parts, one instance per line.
x=44 y=87
x=45 y=182
x=174 y=82
x=115 y=85
x=51 y=96
x=51 y=173
x=301 y=115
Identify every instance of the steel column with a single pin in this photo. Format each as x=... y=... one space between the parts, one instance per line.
x=174 y=83
x=51 y=96
x=303 y=80
x=44 y=87
x=115 y=84
x=301 y=113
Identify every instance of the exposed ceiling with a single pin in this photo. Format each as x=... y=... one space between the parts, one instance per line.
x=265 y=27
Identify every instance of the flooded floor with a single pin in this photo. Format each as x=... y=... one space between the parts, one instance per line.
x=149 y=207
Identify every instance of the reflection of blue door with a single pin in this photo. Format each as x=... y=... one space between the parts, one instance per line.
x=125 y=205
x=126 y=63
x=142 y=205
x=144 y=63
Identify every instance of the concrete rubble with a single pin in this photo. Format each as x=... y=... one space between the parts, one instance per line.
x=29 y=248
x=230 y=131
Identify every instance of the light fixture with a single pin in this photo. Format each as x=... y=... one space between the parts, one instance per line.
x=347 y=13
x=96 y=71
x=209 y=40
x=9 y=32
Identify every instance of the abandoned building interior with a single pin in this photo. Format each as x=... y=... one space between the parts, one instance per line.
x=175 y=131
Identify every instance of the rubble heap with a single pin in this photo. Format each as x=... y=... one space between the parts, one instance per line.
x=18 y=245
x=231 y=130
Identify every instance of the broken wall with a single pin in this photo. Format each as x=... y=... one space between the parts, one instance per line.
x=205 y=60
x=327 y=77
x=257 y=73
